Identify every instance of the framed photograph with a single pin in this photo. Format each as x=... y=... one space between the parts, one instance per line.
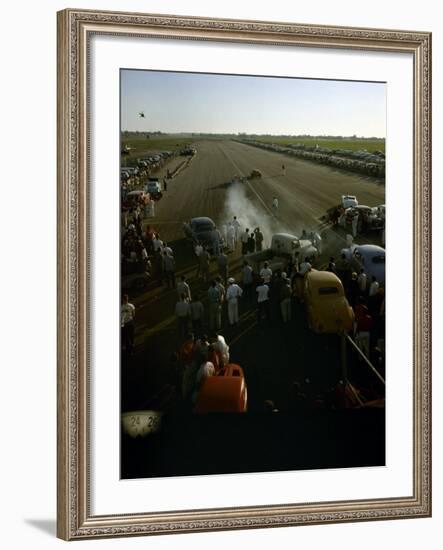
x=235 y=347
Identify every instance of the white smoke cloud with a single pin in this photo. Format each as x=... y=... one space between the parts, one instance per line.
x=252 y=214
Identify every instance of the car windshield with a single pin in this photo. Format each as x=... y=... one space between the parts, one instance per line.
x=325 y=290
x=378 y=260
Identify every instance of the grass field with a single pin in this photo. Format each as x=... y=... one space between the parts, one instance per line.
x=351 y=144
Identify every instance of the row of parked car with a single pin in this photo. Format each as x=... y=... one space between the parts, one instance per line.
x=144 y=166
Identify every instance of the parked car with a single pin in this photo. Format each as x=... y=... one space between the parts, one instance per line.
x=204 y=231
x=136 y=197
x=348 y=200
x=154 y=189
x=327 y=308
x=370 y=257
x=283 y=248
x=188 y=152
x=368 y=218
x=225 y=392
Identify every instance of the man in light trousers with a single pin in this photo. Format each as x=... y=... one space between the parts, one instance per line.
x=233 y=293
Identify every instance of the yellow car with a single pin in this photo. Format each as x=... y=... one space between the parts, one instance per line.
x=327 y=308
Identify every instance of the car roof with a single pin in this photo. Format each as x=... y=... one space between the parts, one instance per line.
x=286 y=236
x=370 y=249
x=135 y=193
x=322 y=278
x=202 y=219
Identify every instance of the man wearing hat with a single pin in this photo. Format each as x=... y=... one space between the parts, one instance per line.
x=233 y=293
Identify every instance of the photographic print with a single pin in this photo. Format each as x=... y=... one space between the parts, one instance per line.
x=223 y=340
x=252 y=240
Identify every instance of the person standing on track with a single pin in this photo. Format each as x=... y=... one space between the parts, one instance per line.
x=283 y=170
x=266 y=273
x=214 y=300
x=275 y=204
x=203 y=261
x=258 y=239
x=236 y=225
x=183 y=288
x=285 y=300
x=231 y=237
x=233 y=293
x=222 y=262
x=263 y=307
x=183 y=315
x=244 y=241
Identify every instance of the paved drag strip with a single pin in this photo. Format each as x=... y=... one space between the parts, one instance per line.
x=240 y=172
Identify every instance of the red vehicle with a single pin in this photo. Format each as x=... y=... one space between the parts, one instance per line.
x=223 y=393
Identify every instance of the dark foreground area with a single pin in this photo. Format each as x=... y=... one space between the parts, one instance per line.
x=259 y=442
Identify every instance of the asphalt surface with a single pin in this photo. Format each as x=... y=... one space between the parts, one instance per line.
x=274 y=355
x=305 y=192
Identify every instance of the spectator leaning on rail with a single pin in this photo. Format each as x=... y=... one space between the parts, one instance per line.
x=233 y=294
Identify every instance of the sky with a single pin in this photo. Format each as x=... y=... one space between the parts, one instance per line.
x=211 y=103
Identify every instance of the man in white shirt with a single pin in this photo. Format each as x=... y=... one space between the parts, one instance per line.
x=127 y=315
x=263 y=301
x=266 y=273
x=362 y=281
x=231 y=240
x=198 y=249
x=305 y=267
x=168 y=250
x=157 y=243
x=236 y=225
x=373 y=289
x=233 y=293
x=275 y=203
x=184 y=288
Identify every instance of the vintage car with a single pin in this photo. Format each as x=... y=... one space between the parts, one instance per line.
x=255 y=174
x=370 y=257
x=327 y=308
x=283 y=248
x=369 y=218
x=203 y=230
x=225 y=392
x=154 y=189
x=348 y=200
x=134 y=198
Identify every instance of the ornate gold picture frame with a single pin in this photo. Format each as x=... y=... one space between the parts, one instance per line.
x=75 y=31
